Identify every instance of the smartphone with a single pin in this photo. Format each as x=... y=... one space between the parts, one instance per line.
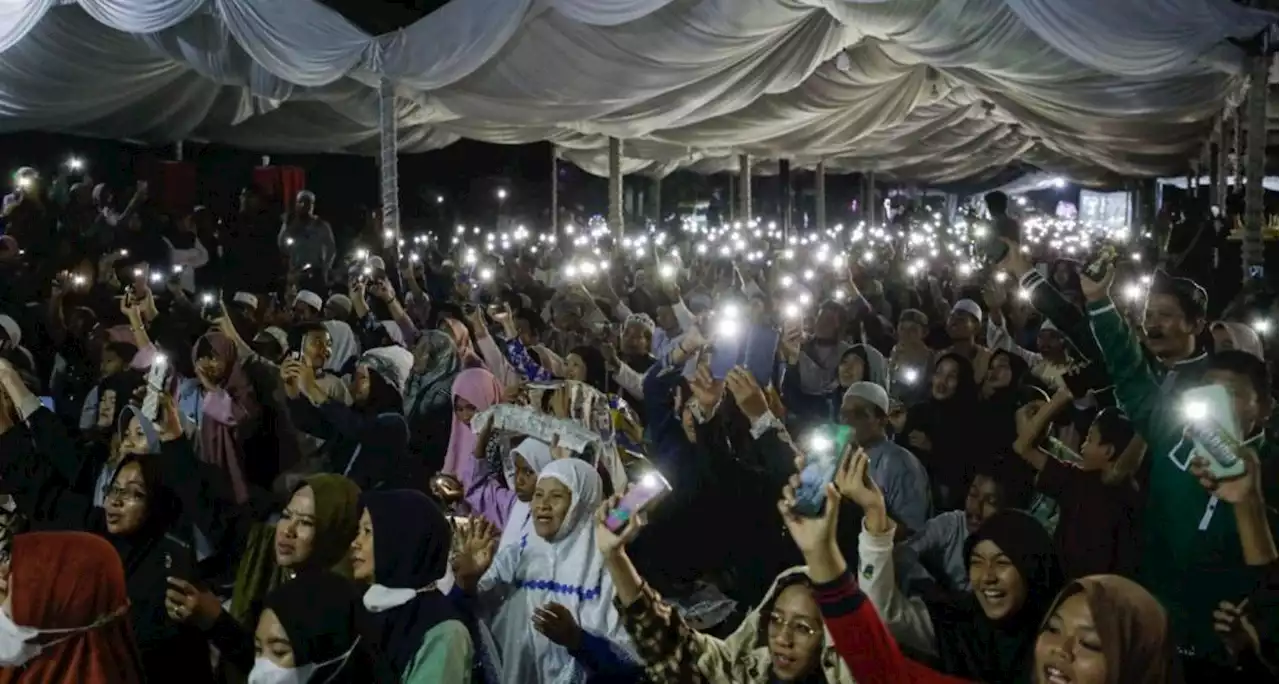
x=759 y=353
x=823 y=451
x=179 y=559
x=1211 y=424
x=210 y=306
x=725 y=354
x=642 y=495
x=156 y=378
x=47 y=402
x=992 y=247
x=1097 y=269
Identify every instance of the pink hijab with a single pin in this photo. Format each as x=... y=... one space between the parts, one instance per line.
x=479 y=388
x=224 y=411
x=466 y=348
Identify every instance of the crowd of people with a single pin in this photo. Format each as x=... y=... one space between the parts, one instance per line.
x=647 y=461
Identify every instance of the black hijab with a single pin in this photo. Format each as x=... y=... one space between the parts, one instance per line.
x=972 y=646
x=413 y=555
x=322 y=614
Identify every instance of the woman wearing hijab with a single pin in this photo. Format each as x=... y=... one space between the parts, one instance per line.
x=1228 y=335
x=221 y=403
x=475 y=390
x=781 y=641
x=313 y=536
x=553 y=580
x=426 y=641
x=527 y=461
x=1101 y=629
x=940 y=430
x=428 y=396
x=369 y=440
x=310 y=631
x=986 y=634
x=64 y=615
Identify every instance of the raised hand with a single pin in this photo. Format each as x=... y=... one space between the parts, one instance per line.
x=746 y=393
x=855 y=484
x=475 y=548
x=1097 y=290
x=811 y=535
x=608 y=542
x=706 y=389
x=1234 y=490
x=556 y=623
x=186 y=603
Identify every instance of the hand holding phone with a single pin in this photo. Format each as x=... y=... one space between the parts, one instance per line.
x=156 y=378
x=823 y=450
x=640 y=497
x=1214 y=431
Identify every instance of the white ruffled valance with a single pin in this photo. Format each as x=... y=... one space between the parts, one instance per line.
x=932 y=89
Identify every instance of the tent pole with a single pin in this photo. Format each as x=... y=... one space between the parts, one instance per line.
x=820 y=195
x=555 y=189
x=744 y=187
x=1252 y=254
x=615 y=189
x=388 y=166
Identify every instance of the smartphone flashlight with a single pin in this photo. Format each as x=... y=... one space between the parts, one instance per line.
x=288 y=242
x=1133 y=292
x=667 y=272
x=791 y=310
x=910 y=375
x=177 y=268
x=362 y=254
x=367 y=271
x=24 y=182
x=388 y=234
x=413 y=257
x=1195 y=410
x=137 y=273
x=838 y=295
x=787 y=281
x=819 y=443
x=75 y=163
x=207 y=299
x=1001 y=276
x=571 y=271
x=649 y=481
x=157 y=277
x=1262 y=326
x=486 y=274
x=727 y=328
x=837 y=262
x=77 y=280
x=729 y=311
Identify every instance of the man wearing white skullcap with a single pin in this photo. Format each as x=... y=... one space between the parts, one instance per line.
x=307 y=241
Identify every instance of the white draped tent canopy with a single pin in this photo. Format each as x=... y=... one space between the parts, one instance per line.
x=935 y=90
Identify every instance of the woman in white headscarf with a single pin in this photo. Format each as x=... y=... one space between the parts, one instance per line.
x=553 y=579
x=522 y=470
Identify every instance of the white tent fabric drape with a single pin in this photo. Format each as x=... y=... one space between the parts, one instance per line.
x=936 y=90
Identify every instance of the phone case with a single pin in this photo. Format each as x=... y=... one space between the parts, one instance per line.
x=1213 y=429
x=155 y=385
x=637 y=499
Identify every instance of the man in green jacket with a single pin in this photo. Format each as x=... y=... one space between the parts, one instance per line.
x=1191 y=556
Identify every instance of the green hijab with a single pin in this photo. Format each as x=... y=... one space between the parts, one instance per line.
x=337 y=519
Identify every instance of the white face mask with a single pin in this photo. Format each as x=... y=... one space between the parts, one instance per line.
x=17 y=647
x=268 y=672
x=378 y=598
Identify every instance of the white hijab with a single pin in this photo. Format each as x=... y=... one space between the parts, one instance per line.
x=536 y=454
x=566 y=569
x=345 y=346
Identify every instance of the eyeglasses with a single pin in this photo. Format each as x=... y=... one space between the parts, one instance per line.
x=124 y=494
x=778 y=623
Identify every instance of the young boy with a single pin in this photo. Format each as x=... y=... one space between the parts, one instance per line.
x=1097 y=499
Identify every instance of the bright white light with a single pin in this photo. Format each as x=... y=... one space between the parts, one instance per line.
x=1133 y=292
x=439 y=199
x=791 y=310
x=388 y=234
x=156 y=277
x=808 y=274
x=77 y=279
x=570 y=271
x=413 y=257
x=820 y=443
x=1262 y=325
x=1059 y=183
x=806 y=298
x=729 y=311
x=486 y=274
x=649 y=481
x=910 y=375
x=727 y=328
x=362 y=254
x=1136 y=257
x=1022 y=201
x=1195 y=410
x=966 y=268
x=177 y=268
x=502 y=194
x=1024 y=294
x=207 y=299
x=1001 y=276
x=75 y=163
x=787 y=281
x=838 y=295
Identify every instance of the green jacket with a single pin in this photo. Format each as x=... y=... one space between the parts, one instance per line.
x=1191 y=556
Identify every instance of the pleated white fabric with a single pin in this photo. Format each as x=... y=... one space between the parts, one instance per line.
x=930 y=89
